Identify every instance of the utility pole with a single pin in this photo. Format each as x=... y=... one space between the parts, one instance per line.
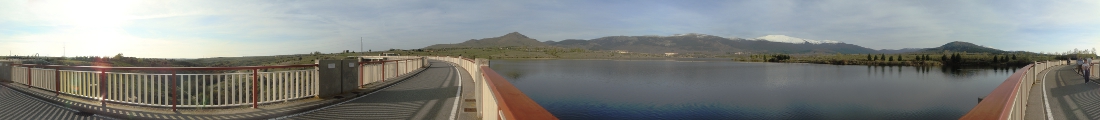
x=361 y=46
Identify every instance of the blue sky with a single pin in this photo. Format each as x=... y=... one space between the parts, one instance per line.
x=198 y=28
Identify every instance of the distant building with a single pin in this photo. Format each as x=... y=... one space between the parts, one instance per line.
x=670 y=54
x=389 y=54
x=622 y=51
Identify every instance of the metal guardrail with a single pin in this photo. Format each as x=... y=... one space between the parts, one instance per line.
x=166 y=88
x=1008 y=100
x=496 y=97
x=163 y=87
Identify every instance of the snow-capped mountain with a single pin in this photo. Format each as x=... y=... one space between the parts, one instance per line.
x=789 y=39
x=696 y=35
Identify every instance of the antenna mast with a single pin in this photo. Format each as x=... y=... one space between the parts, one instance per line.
x=360 y=45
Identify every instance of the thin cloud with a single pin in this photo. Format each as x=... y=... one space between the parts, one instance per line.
x=191 y=28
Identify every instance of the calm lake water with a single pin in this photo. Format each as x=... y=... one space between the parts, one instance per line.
x=721 y=89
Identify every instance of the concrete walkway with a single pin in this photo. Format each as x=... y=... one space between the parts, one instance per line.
x=428 y=95
x=1070 y=97
x=18 y=106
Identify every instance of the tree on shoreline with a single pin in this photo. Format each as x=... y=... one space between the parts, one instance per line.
x=956 y=58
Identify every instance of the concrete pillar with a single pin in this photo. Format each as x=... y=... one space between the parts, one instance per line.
x=5 y=71
x=337 y=77
x=349 y=75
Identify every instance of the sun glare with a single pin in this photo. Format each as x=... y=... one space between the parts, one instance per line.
x=105 y=14
x=96 y=24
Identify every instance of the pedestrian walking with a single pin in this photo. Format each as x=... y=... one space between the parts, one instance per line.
x=1079 y=64
x=1085 y=69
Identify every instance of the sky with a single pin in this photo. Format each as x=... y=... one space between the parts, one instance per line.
x=220 y=28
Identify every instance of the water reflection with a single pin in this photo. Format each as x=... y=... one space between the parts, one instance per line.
x=665 y=89
x=958 y=72
x=961 y=72
x=513 y=74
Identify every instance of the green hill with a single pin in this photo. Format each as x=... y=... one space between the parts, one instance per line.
x=959 y=46
x=510 y=39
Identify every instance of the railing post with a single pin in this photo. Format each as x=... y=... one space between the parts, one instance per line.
x=57 y=81
x=102 y=86
x=28 y=77
x=383 y=71
x=255 y=94
x=174 y=92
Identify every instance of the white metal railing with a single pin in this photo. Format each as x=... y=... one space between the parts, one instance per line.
x=287 y=85
x=19 y=75
x=379 y=71
x=43 y=78
x=80 y=83
x=469 y=65
x=246 y=87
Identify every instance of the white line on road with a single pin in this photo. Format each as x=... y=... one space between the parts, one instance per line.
x=458 y=93
x=1046 y=103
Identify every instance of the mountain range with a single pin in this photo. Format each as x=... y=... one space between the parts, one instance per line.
x=706 y=44
x=789 y=39
x=510 y=39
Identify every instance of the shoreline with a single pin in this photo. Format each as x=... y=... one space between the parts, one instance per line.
x=865 y=63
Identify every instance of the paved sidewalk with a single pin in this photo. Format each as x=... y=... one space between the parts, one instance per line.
x=17 y=106
x=430 y=95
x=1036 y=106
x=1071 y=98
